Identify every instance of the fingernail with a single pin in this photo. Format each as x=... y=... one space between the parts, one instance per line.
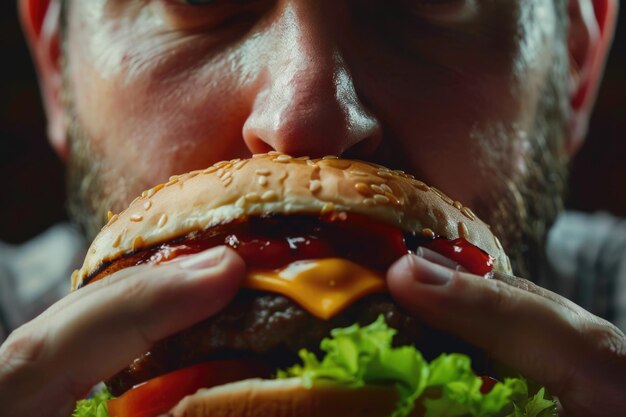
x=426 y=272
x=435 y=257
x=203 y=260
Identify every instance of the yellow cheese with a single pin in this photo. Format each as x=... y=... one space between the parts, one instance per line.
x=323 y=287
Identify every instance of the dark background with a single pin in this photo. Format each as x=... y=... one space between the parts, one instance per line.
x=32 y=192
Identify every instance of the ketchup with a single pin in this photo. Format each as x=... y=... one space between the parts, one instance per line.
x=273 y=242
x=464 y=253
x=276 y=241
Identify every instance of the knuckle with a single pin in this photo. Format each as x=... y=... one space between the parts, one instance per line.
x=22 y=349
x=607 y=339
x=499 y=298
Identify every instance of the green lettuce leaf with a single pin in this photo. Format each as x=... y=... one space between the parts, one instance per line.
x=357 y=356
x=95 y=406
x=447 y=387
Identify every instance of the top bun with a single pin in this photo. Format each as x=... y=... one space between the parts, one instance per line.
x=276 y=183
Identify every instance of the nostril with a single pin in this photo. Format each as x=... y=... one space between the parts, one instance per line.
x=366 y=147
x=257 y=145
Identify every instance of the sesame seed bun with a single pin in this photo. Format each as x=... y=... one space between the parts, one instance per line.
x=276 y=183
x=288 y=398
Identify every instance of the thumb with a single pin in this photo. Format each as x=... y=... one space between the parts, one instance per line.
x=96 y=331
x=531 y=333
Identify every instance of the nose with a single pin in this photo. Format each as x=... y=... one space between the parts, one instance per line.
x=307 y=101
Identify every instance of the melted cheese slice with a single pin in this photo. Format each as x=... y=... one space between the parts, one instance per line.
x=323 y=287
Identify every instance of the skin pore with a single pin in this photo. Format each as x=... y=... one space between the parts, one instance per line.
x=470 y=96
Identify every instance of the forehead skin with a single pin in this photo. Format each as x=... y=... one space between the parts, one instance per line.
x=161 y=88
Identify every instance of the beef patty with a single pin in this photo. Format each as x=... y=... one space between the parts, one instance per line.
x=273 y=328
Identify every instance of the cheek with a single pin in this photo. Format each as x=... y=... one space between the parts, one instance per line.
x=167 y=111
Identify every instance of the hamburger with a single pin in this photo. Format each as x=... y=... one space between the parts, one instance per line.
x=313 y=331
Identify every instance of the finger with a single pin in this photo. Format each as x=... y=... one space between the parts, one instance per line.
x=103 y=330
x=561 y=347
x=526 y=285
x=438 y=259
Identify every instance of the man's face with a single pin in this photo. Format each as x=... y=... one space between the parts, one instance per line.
x=464 y=94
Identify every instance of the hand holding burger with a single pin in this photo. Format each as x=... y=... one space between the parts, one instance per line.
x=317 y=237
x=317 y=241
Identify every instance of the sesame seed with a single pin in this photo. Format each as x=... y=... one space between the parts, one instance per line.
x=358 y=173
x=240 y=164
x=385 y=174
x=369 y=202
x=262 y=181
x=508 y=263
x=428 y=233
x=315 y=186
x=442 y=195
x=227 y=175
x=327 y=208
x=462 y=229
x=162 y=220
x=222 y=164
x=394 y=200
x=302 y=158
x=363 y=189
x=274 y=153
x=109 y=215
x=377 y=188
x=420 y=185
x=457 y=205
x=153 y=191
x=171 y=182
x=136 y=218
x=228 y=181
x=259 y=155
x=327 y=157
x=117 y=241
x=253 y=197
x=147 y=205
x=220 y=172
x=210 y=170
x=113 y=219
x=234 y=161
x=467 y=212
x=498 y=244
x=193 y=174
x=263 y=171
x=339 y=163
x=311 y=163
x=386 y=188
x=283 y=158
x=398 y=172
x=269 y=195
x=241 y=202
x=137 y=242
x=144 y=194
x=381 y=199
x=174 y=178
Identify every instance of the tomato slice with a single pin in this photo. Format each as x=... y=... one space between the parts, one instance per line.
x=160 y=394
x=472 y=258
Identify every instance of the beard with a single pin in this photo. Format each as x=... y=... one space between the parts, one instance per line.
x=520 y=211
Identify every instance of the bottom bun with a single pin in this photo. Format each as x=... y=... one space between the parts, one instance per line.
x=288 y=398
